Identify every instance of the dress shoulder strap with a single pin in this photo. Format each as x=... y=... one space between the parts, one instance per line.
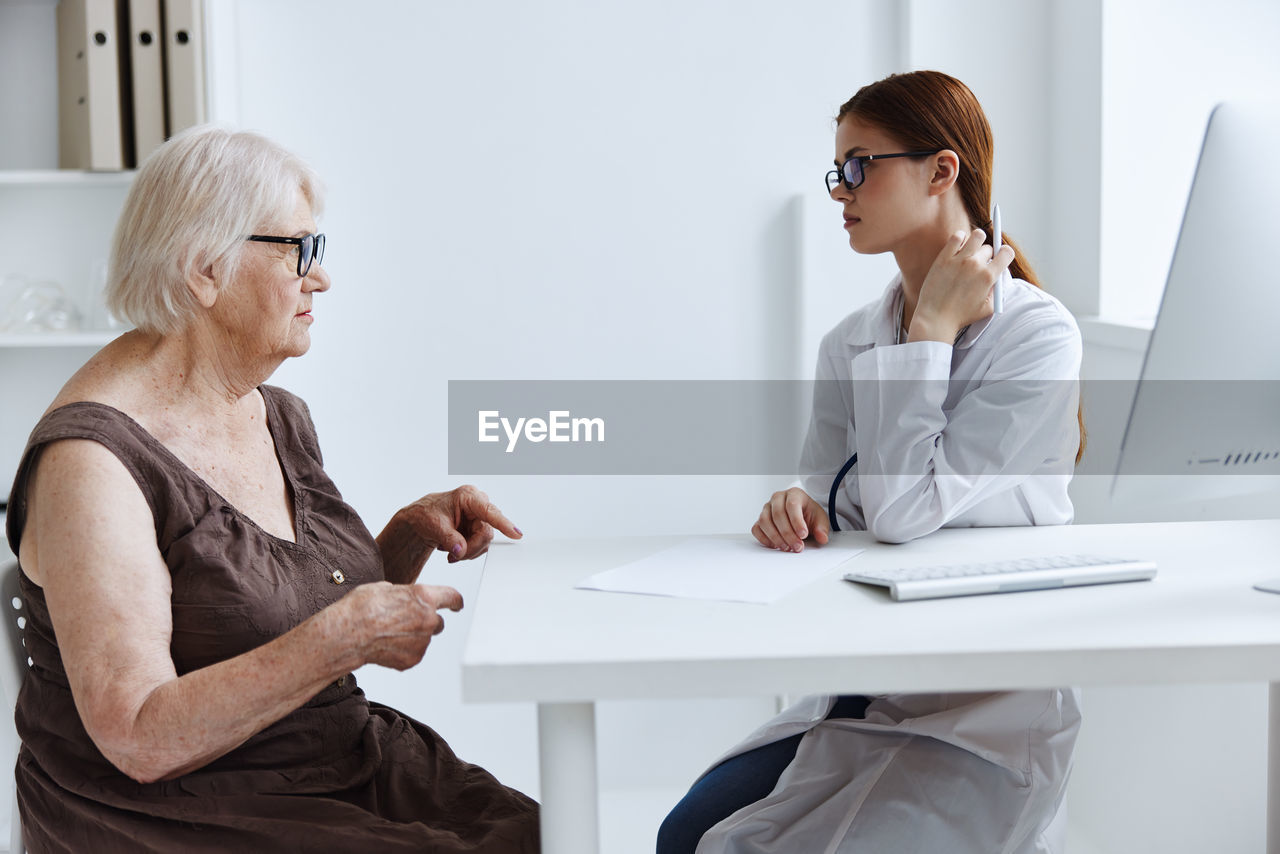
x=175 y=501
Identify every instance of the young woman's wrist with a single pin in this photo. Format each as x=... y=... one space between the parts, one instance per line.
x=931 y=329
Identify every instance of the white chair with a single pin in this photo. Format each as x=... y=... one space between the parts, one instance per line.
x=13 y=668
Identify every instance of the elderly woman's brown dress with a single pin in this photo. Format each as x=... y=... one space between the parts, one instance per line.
x=339 y=774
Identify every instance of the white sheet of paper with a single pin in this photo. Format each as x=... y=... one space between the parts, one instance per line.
x=734 y=570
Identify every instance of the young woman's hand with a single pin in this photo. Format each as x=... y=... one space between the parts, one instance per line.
x=957 y=290
x=789 y=518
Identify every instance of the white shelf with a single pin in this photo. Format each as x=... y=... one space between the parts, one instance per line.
x=63 y=177
x=92 y=338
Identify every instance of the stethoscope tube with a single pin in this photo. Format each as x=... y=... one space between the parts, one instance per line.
x=835 y=489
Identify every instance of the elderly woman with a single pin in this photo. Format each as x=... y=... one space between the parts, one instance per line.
x=199 y=592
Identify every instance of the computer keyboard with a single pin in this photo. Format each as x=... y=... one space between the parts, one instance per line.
x=1005 y=576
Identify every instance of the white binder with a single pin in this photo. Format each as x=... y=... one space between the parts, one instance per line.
x=147 y=67
x=184 y=63
x=89 y=129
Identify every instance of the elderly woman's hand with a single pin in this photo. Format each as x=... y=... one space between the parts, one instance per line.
x=394 y=623
x=460 y=522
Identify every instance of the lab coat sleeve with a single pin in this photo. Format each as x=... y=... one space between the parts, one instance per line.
x=825 y=444
x=931 y=447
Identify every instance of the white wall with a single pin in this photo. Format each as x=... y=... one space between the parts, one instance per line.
x=1166 y=63
x=1072 y=258
x=998 y=49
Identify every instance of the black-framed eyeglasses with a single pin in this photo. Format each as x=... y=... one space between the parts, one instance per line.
x=310 y=248
x=851 y=173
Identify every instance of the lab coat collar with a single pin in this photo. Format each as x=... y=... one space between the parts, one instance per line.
x=877 y=327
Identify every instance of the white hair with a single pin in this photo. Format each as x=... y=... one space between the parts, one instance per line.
x=192 y=204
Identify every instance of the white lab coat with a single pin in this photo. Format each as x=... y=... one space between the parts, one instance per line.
x=980 y=433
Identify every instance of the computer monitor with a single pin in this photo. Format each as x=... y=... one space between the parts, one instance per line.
x=1205 y=419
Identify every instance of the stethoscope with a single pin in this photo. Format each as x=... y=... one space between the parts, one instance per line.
x=835 y=489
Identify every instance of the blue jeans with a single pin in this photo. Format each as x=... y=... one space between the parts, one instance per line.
x=737 y=782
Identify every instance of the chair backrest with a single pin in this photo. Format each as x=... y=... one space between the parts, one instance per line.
x=13 y=664
x=13 y=669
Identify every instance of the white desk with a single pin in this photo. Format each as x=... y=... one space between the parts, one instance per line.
x=535 y=638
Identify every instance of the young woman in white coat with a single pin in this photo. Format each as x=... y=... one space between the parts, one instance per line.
x=959 y=417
